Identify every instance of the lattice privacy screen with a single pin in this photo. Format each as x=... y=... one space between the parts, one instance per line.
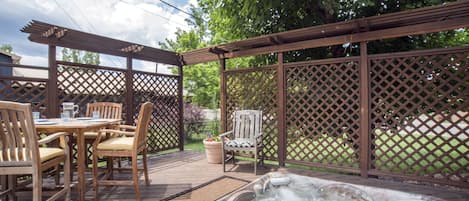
x=25 y=91
x=255 y=90
x=418 y=106
x=162 y=91
x=322 y=111
x=420 y=119
x=82 y=85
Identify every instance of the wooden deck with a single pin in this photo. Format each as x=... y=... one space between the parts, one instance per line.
x=175 y=172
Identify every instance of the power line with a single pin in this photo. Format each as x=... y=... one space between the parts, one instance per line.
x=154 y=14
x=66 y=13
x=78 y=25
x=94 y=30
x=175 y=7
x=179 y=9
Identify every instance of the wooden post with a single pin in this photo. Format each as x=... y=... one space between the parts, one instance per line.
x=129 y=101
x=281 y=118
x=181 y=108
x=52 y=85
x=364 y=111
x=223 y=95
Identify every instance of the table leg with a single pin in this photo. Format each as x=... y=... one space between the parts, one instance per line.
x=81 y=163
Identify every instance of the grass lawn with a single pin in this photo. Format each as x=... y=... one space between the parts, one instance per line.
x=400 y=153
x=403 y=153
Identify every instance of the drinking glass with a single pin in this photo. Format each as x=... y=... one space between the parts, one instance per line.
x=36 y=115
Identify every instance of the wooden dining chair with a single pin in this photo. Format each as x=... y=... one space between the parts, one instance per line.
x=21 y=154
x=129 y=144
x=107 y=110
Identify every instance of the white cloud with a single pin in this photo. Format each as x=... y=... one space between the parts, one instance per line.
x=33 y=60
x=139 y=21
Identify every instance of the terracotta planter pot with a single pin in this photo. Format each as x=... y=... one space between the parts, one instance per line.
x=213 y=151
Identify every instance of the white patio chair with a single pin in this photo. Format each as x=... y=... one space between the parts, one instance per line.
x=246 y=137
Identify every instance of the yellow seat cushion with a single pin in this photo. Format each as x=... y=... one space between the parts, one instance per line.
x=45 y=154
x=91 y=135
x=118 y=143
x=50 y=153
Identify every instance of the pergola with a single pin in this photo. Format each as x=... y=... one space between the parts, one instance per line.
x=413 y=22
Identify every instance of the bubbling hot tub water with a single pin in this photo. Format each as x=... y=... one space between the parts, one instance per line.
x=290 y=187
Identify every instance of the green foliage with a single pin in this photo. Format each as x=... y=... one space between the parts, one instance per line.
x=232 y=20
x=6 y=48
x=216 y=22
x=77 y=56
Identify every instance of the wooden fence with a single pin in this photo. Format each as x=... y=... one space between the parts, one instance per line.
x=401 y=114
x=83 y=83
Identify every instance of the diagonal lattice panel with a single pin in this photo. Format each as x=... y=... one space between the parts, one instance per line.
x=255 y=89
x=162 y=91
x=419 y=114
x=83 y=85
x=24 y=91
x=322 y=111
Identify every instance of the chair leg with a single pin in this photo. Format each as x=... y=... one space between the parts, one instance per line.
x=95 y=175
x=37 y=185
x=70 y=150
x=67 y=171
x=223 y=158
x=57 y=175
x=255 y=162
x=12 y=187
x=110 y=167
x=145 y=167
x=135 y=177
x=3 y=183
x=233 y=157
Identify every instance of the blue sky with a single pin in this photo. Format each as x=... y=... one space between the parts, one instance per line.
x=141 y=21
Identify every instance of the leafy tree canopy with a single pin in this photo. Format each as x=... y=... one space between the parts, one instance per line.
x=6 y=48
x=77 y=56
x=222 y=21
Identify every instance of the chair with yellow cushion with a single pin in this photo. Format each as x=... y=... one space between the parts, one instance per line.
x=20 y=153
x=126 y=144
x=106 y=110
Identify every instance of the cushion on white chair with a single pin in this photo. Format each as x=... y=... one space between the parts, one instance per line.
x=240 y=143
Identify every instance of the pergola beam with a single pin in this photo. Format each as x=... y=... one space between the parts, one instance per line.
x=411 y=22
x=358 y=37
x=41 y=32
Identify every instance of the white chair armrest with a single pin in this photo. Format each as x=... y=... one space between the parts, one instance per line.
x=225 y=134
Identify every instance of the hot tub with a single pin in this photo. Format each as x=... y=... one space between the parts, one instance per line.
x=278 y=186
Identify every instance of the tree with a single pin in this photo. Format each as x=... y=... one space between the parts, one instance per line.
x=77 y=56
x=202 y=80
x=217 y=22
x=237 y=20
x=6 y=48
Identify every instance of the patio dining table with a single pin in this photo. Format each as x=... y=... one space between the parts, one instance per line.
x=78 y=128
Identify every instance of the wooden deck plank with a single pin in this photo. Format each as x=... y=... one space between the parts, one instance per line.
x=178 y=171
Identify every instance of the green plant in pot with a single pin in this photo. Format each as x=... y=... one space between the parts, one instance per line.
x=213 y=149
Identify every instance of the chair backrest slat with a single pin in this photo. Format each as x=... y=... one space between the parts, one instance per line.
x=247 y=123
x=18 y=138
x=107 y=110
x=141 y=132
